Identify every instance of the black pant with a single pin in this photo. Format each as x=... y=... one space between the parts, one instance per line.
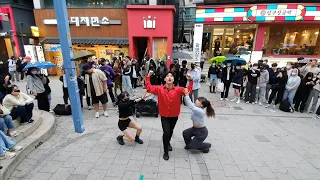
x=43 y=102
x=301 y=99
x=111 y=94
x=225 y=92
x=134 y=82
x=22 y=75
x=252 y=90
x=22 y=112
x=66 y=97
x=88 y=98
x=279 y=92
x=168 y=124
x=199 y=135
x=242 y=91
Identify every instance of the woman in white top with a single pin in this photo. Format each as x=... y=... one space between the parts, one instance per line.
x=19 y=104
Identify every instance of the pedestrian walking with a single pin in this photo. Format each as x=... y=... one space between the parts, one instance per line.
x=96 y=82
x=314 y=95
x=125 y=107
x=226 y=78
x=273 y=73
x=251 y=88
x=169 y=99
x=278 y=90
x=237 y=82
x=196 y=77
x=212 y=75
x=195 y=136
x=36 y=87
x=263 y=81
x=303 y=92
x=107 y=69
x=12 y=65
x=292 y=86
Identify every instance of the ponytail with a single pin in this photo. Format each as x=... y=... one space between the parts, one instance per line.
x=206 y=104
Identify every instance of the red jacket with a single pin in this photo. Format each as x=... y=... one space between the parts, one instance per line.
x=169 y=101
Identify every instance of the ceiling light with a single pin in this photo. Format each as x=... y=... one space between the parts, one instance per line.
x=238 y=31
x=316 y=33
x=291 y=36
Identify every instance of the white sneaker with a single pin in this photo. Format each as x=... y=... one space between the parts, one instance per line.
x=234 y=99
x=16 y=148
x=226 y=99
x=7 y=155
x=260 y=104
x=247 y=102
x=274 y=106
x=253 y=103
x=89 y=107
x=267 y=105
x=106 y=114
x=318 y=117
x=238 y=101
x=221 y=99
x=97 y=115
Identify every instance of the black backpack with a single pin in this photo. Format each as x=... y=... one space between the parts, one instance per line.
x=286 y=106
x=60 y=109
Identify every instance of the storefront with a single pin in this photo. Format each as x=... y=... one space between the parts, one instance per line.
x=150 y=30
x=104 y=32
x=277 y=32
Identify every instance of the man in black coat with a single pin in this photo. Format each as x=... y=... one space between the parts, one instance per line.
x=273 y=73
x=226 y=78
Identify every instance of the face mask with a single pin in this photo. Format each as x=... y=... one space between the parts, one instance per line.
x=34 y=72
x=293 y=74
x=311 y=77
x=213 y=64
x=288 y=66
x=254 y=67
x=38 y=72
x=229 y=64
x=238 y=67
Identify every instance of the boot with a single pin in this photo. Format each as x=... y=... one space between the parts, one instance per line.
x=213 y=89
x=210 y=87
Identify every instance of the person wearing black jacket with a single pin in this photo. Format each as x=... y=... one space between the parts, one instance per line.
x=273 y=73
x=81 y=87
x=237 y=82
x=303 y=92
x=212 y=75
x=161 y=72
x=226 y=78
x=183 y=72
x=4 y=78
x=279 y=88
x=251 y=88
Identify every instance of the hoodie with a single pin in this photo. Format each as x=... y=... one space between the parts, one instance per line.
x=293 y=83
x=264 y=78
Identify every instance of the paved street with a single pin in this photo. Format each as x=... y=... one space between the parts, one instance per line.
x=249 y=142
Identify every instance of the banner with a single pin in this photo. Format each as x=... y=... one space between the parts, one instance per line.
x=30 y=51
x=40 y=54
x=162 y=49
x=197 y=42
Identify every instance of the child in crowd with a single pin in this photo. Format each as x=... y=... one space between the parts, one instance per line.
x=199 y=132
x=125 y=107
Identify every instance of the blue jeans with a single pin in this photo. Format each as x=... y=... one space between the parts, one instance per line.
x=6 y=123
x=126 y=85
x=289 y=95
x=22 y=112
x=5 y=143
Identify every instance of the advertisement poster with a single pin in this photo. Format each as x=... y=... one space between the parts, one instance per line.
x=30 y=51
x=59 y=62
x=52 y=47
x=197 y=42
x=162 y=49
x=40 y=54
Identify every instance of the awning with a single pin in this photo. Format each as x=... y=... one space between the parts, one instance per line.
x=90 y=41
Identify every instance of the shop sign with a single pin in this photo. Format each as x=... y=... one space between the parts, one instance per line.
x=35 y=31
x=260 y=13
x=30 y=51
x=89 y=21
x=52 y=47
x=197 y=42
x=149 y=23
x=40 y=54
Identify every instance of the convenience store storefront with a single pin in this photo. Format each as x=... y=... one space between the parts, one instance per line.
x=275 y=32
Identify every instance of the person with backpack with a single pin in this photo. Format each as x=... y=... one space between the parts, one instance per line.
x=278 y=90
x=303 y=92
x=107 y=69
x=292 y=86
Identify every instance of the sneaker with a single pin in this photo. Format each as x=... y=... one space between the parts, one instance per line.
x=138 y=140
x=253 y=103
x=50 y=111
x=7 y=155
x=318 y=117
x=30 y=121
x=267 y=105
x=238 y=101
x=232 y=100
x=186 y=147
x=106 y=114
x=274 y=106
x=16 y=148
x=13 y=134
x=226 y=99
x=170 y=147
x=89 y=107
x=166 y=156
x=247 y=102
x=221 y=99
x=205 y=150
x=97 y=115
x=260 y=104
x=120 y=140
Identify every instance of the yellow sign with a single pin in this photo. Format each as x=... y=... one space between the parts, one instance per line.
x=162 y=49
x=35 y=31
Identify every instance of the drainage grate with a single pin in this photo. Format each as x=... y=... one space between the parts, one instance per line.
x=261 y=138
x=237 y=108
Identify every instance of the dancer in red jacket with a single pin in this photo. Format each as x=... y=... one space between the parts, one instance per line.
x=169 y=99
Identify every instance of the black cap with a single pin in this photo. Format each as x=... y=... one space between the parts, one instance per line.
x=86 y=66
x=274 y=64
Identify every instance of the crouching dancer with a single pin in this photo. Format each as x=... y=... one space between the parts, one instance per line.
x=199 y=132
x=125 y=107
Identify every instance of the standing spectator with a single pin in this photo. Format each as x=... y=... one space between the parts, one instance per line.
x=303 y=92
x=107 y=69
x=196 y=77
x=263 y=81
x=45 y=80
x=183 y=72
x=314 y=95
x=244 y=81
x=19 y=104
x=96 y=82
x=212 y=75
x=36 y=87
x=279 y=88
x=273 y=73
x=12 y=64
x=135 y=73
x=292 y=86
x=23 y=64
x=289 y=69
x=251 y=87
x=202 y=59
x=226 y=78
x=19 y=65
x=310 y=67
x=161 y=72
x=117 y=77
x=237 y=82
x=126 y=76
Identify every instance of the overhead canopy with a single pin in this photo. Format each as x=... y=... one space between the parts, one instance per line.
x=90 y=41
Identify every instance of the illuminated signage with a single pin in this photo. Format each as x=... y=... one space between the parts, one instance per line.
x=88 y=21
x=35 y=31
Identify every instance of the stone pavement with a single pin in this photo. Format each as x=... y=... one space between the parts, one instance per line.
x=249 y=142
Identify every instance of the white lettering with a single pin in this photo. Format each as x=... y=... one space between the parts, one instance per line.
x=95 y=21
x=75 y=20
x=85 y=20
x=105 y=20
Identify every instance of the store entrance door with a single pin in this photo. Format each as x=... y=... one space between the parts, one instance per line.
x=141 y=44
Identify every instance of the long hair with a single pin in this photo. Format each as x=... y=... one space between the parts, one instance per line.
x=206 y=104
x=309 y=74
x=122 y=95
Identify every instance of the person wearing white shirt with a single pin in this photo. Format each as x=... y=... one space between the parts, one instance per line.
x=19 y=104
x=12 y=64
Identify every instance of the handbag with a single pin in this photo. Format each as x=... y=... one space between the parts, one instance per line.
x=61 y=109
x=220 y=87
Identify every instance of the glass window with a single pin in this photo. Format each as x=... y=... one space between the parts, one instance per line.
x=292 y=40
x=97 y=3
x=160 y=47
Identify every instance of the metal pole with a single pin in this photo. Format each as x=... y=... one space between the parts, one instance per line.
x=68 y=63
x=21 y=35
